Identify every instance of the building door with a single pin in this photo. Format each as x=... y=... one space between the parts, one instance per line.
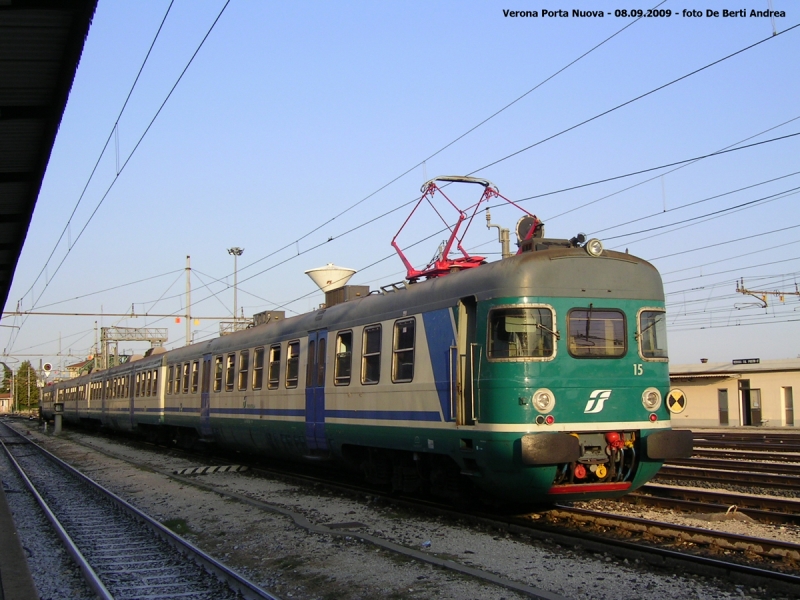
x=744 y=402
x=205 y=397
x=315 y=390
x=788 y=403
x=755 y=407
x=722 y=400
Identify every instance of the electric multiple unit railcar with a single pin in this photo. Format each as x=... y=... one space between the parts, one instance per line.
x=536 y=378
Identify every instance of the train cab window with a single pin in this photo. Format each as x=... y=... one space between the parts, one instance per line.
x=403 y=351
x=217 y=373
x=244 y=369
x=186 y=378
x=371 y=355
x=292 y=363
x=258 y=368
x=344 y=358
x=596 y=333
x=170 y=379
x=521 y=333
x=274 y=367
x=195 y=375
x=230 y=368
x=652 y=334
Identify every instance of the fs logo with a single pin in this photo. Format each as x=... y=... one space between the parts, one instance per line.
x=596 y=401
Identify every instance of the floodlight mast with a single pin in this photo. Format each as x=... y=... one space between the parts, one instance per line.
x=442 y=265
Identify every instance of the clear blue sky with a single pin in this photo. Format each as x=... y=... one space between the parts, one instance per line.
x=291 y=112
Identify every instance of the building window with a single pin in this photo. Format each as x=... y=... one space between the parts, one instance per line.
x=403 y=351
x=195 y=375
x=258 y=368
x=217 y=373
x=186 y=378
x=521 y=333
x=596 y=333
x=274 y=367
x=292 y=363
x=722 y=399
x=788 y=403
x=344 y=358
x=230 y=368
x=371 y=355
x=652 y=334
x=244 y=369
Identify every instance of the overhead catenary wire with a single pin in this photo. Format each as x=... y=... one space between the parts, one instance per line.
x=125 y=163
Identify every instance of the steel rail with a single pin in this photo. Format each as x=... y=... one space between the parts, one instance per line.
x=248 y=590
x=729 y=477
x=88 y=573
x=746 y=454
x=705 y=506
x=737 y=465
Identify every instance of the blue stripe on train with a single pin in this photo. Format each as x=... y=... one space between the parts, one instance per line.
x=384 y=415
x=441 y=335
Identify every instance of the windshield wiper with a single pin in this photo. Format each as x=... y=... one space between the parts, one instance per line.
x=639 y=334
x=554 y=333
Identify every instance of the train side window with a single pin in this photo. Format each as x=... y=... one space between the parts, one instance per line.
x=652 y=334
x=258 y=368
x=138 y=384
x=155 y=382
x=344 y=358
x=170 y=379
x=186 y=378
x=520 y=333
x=596 y=333
x=149 y=380
x=128 y=385
x=230 y=368
x=195 y=375
x=371 y=355
x=217 y=373
x=274 y=373
x=244 y=368
x=292 y=363
x=403 y=351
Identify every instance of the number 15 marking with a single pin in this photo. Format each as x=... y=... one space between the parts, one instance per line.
x=638 y=369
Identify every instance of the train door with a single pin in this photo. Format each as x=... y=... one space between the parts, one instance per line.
x=205 y=397
x=315 y=390
x=467 y=355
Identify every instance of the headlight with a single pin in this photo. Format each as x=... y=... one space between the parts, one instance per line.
x=594 y=247
x=651 y=399
x=543 y=400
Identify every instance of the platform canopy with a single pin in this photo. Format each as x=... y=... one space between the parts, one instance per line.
x=41 y=42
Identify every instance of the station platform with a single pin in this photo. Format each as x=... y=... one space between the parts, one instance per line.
x=15 y=576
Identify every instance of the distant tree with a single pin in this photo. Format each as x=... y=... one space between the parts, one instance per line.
x=6 y=386
x=26 y=391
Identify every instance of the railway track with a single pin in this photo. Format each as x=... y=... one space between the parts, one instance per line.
x=692 y=550
x=729 y=476
x=763 y=509
x=121 y=552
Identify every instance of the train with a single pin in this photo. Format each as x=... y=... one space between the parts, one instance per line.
x=537 y=378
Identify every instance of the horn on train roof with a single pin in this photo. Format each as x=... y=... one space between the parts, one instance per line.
x=330 y=277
